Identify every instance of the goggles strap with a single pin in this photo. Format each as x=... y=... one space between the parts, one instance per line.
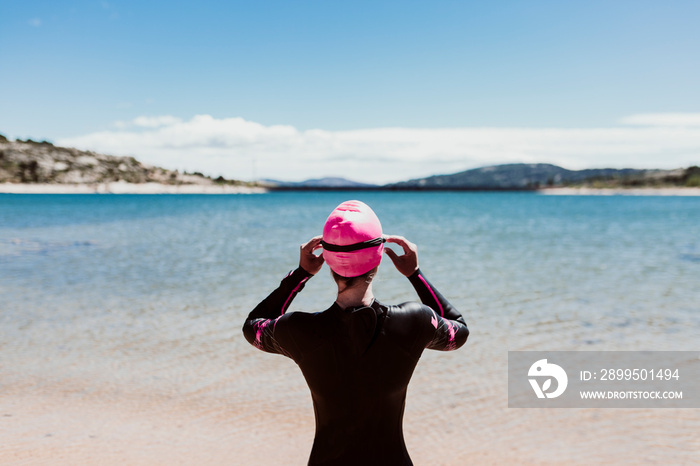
x=353 y=247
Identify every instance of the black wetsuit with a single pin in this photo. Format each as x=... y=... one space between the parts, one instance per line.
x=358 y=363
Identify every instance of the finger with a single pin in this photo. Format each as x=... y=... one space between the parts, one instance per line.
x=394 y=238
x=406 y=245
x=317 y=243
x=312 y=244
x=400 y=240
x=392 y=255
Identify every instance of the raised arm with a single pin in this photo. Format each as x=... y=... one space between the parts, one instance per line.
x=259 y=326
x=449 y=328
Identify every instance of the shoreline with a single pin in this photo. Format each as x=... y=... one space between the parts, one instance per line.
x=120 y=187
x=619 y=191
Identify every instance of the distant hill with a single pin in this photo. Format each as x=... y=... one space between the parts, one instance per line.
x=541 y=175
x=43 y=163
x=328 y=182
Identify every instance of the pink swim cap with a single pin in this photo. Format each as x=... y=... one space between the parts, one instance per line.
x=352 y=239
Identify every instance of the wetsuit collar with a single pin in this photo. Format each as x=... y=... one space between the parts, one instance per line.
x=376 y=305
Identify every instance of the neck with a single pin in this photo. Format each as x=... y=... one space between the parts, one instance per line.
x=360 y=295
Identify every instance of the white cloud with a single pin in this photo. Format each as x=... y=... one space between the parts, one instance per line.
x=36 y=22
x=155 y=122
x=148 y=122
x=663 y=119
x=237 y=148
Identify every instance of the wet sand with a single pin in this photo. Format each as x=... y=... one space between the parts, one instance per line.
x=447 y=422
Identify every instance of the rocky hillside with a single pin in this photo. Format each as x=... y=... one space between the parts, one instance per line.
x=42 y=162
x=541 y=175
x=677 y=178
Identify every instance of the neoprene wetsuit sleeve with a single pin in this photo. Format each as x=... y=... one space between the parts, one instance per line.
x=451 y=330
x=260 y=324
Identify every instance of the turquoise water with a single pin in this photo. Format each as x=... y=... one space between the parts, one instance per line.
x=68 y=256
x=147 y=293
x=606 y=264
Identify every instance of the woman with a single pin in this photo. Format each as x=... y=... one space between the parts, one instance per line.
x=358 y=355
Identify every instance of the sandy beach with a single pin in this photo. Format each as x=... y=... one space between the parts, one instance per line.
x=68 y=426
x=120 y=187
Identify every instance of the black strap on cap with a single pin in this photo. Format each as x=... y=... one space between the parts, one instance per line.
x=370 y=243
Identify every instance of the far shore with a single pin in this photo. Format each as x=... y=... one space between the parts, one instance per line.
x=120 y=187
x=620 y=191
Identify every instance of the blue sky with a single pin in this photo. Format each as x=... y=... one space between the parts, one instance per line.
x=378 y=90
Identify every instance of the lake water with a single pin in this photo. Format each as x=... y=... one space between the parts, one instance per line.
x=141 y=298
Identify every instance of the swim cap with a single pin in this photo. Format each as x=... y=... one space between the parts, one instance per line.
x=352 y=239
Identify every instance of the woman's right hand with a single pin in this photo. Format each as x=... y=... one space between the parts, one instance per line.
x=309 y=261
x=407 y=263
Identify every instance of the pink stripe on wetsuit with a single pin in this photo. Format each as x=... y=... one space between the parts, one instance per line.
x=432 y=293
